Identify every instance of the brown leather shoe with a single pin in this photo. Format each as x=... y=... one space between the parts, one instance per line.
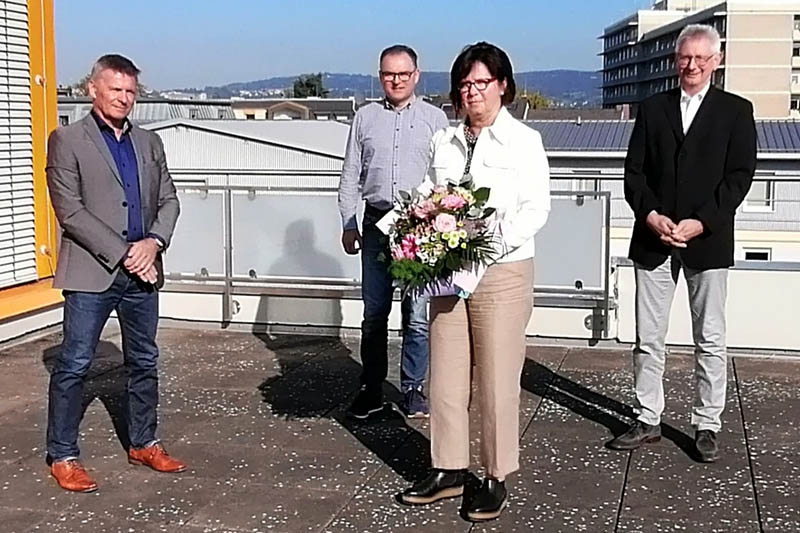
x=156 y=457
x=71 y=475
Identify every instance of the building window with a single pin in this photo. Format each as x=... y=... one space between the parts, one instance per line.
x=63 y=120
x=796 y=50
x=250 y=116
x=797 y=23
x=758 y=254
x=795 y=104
x=760 y=198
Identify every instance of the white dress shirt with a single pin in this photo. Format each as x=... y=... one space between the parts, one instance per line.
x=509 y=158
x=690 y=105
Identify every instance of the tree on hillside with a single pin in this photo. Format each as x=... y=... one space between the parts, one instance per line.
x=536 y=99
x=309 y=85
x=81 y=88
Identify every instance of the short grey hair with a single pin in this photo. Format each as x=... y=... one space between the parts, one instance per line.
x=114 y=62
x=695 y=31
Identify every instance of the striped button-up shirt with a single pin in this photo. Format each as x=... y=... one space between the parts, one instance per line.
x=387 y=151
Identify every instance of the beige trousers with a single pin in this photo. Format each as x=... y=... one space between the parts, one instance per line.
x=488 y=328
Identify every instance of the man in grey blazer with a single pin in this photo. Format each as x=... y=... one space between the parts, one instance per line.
x=117 y=206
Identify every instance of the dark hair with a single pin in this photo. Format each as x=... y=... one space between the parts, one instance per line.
x=400 y=49
x=496 y=61
x=114 y=62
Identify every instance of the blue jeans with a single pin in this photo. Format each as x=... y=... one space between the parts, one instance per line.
x=85 y=315
x=376 y=292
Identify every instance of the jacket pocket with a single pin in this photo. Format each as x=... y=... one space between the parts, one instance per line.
x=498 y=173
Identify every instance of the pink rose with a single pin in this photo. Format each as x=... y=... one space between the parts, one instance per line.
x=397 y=253
x=453 y=201
x=444 y=223
x=423 y=209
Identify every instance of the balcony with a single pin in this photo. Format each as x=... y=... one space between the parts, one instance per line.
x=260 y=419
x=257 y=407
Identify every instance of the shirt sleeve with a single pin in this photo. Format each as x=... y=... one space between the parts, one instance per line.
x=351 y=176
x=533 y=205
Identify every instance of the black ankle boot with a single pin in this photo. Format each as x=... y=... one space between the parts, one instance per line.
x=489 y=501
x=439 y=484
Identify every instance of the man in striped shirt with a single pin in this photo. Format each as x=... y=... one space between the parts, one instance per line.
x=387 y=151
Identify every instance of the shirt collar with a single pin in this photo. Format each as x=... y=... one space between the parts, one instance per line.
x=103 y=125
x=390 y=107
x=500 y=129
x=700 y=96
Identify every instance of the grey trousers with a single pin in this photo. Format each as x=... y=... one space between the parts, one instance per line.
x=655 y=289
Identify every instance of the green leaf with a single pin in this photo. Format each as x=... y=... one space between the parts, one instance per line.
x=481 y=195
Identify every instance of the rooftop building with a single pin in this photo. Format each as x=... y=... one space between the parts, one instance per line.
x=760 y=41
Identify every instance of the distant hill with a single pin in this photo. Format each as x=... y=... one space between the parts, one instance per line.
x=567 y=87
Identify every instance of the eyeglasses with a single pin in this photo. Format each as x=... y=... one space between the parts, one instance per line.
x=481 y=85
x=700 y=61
x=391 y=76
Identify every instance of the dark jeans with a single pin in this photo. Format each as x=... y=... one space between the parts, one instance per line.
x=377 y=291
x=85 y=315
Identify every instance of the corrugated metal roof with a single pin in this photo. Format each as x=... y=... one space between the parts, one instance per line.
x=320 y=136
x=774 y=136
x=149 y=111
x=778 y=135
x=587 y=135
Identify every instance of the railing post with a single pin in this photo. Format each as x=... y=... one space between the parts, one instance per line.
x=227 y=294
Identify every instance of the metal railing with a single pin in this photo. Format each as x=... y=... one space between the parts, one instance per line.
x=242 y=244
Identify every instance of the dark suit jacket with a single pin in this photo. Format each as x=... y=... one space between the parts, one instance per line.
x=703 y=175
x=87 y=194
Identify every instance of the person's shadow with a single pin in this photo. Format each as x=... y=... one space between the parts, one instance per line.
x=324 y=385
x=614 y=415
x=107 y=381
x=302 y=259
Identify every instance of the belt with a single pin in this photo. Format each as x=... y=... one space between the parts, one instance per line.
x=374 y=212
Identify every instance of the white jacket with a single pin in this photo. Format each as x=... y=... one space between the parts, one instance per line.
x=509 y=159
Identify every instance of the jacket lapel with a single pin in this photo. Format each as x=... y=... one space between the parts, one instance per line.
x=138 y=144
x=672 y=108
x=97 y=138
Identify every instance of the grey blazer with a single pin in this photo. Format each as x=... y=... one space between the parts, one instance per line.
x=87 y=195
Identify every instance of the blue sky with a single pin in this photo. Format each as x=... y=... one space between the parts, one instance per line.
x=182 y=43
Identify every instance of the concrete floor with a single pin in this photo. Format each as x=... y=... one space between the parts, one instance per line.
x=260 y=420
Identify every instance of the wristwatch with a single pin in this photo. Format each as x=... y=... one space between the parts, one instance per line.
x=158 y=240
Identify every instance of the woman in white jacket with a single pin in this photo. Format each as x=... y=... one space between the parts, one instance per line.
x=496 y=151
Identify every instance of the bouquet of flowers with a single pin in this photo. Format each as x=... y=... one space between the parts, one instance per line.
x=442 y=240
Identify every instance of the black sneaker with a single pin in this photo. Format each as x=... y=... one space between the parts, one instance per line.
x=705 y=441
x=415 y=404
x=488 y=502
x=439 y=485
x=639 y=433
x=368 y=402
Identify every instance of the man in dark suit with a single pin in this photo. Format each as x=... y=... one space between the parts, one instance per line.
x=117 y=207
x=690 y=163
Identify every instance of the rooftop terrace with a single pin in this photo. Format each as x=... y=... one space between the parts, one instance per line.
x=260 y=419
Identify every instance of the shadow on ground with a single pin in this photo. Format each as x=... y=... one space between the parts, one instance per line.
x=614 y=415
x=323 y=386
